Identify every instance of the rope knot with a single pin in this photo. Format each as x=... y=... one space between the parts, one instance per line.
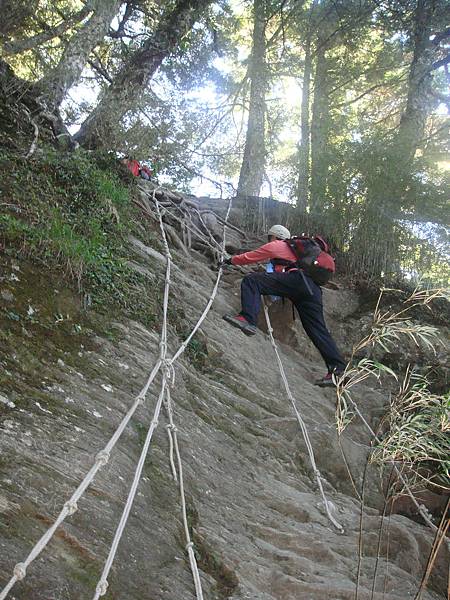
x=102 y=587
x=189 y=545
x=154 y=423
x=169 y=371
x=102 y=457
x=20 y=571
x=173 y=428
x=71 y=507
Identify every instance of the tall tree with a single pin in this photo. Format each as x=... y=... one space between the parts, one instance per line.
x=253 y=163
x=393 y=172
x=134 y=75
x=420 y=100
x=320 y=124
x=59 y=80
x=304 y=149
x=305 y=133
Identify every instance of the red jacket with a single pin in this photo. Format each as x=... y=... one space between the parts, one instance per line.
x=275 y=249
x=134 y=167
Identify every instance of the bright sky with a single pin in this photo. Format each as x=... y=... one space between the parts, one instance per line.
x=286 y=89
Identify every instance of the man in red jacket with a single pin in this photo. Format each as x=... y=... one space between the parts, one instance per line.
x=289 y=282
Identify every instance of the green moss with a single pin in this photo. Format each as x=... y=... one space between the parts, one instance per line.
x=210 y=562
x=72 y=213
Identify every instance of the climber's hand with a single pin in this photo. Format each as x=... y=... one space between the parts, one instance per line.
x=222 y=263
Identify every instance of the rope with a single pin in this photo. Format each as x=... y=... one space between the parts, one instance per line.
x=171 y=427
x=167 y=378
x=172 y=430
x=300 y=421
x=102 y=585
x=70 y=506
x=102 y=457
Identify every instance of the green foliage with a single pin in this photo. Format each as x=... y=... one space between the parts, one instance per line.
x=197 y=353
x=415 y=429
x=418 y=431
x=69 y=213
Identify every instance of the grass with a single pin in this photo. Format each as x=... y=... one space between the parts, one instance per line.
x=415 y=429
x=72 y=213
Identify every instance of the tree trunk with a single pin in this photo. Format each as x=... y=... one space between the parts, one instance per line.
x=56 y=84
x=253 y=163
x=304 y=150
x=15 y=15
x=420 y=100
x=376 y=242
x=305 y=141
x=124 y=92
x=320 y=125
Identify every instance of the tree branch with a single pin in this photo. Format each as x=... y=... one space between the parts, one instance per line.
x=97 y=66
x=441 y=63
x=441 y=35
x=120 y=31
x=19 y=46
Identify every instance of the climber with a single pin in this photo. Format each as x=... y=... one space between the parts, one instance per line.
x=132 y=165
x=287 y=281
x=146 y=172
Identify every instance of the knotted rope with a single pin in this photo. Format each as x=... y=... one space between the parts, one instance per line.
x=300 y=421
x=102 y=457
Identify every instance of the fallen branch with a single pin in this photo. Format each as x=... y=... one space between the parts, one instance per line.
x=33 y=146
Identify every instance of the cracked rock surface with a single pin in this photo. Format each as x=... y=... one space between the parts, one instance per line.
x=257 y=521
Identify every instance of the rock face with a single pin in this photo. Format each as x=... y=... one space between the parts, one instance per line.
x=259 y=527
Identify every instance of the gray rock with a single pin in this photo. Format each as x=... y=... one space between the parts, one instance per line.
x=256 y=518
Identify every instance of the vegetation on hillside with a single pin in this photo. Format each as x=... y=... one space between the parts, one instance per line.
x=72 y=213
x=339 y=108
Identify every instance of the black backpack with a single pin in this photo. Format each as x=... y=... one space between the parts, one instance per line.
x=313 y=257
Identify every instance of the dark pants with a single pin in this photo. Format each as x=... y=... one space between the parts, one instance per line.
x=307 y=298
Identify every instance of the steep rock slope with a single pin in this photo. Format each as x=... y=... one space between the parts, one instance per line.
x=259 y=528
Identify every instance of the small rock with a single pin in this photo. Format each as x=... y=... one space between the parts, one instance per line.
x=7 y=401
x=43 y=409
x=7 y=295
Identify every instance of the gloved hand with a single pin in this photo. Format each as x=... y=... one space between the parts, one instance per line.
x=222 y=263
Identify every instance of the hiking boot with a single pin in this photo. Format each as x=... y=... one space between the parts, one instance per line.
x=327 y=381
x=241 y=323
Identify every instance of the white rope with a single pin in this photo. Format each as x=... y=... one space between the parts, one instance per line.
x=102 y=585
x=167 y=378
x=300 y=421
x=70 y=506
x=102 y=457
x=184 y=345
x=189 y=544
